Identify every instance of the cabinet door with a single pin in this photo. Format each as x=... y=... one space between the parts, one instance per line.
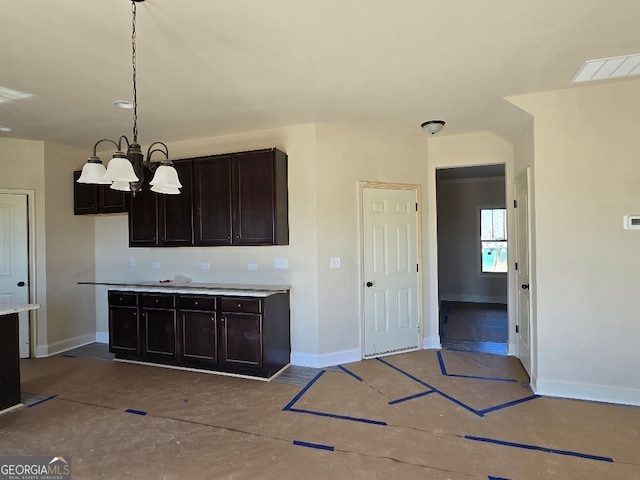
x=241 y=338
x=124 y=331
x=85 y=196
x=199 y=337
x=175 y=212
x=110 y=200
x=143 y=216
x=212 y=200
x=159 y=333
x=253 y=198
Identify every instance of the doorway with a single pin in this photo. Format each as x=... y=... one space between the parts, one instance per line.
x=472 y=258
x=14 y=260
x=390 y=248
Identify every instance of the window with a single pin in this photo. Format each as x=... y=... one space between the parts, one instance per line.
x=493 y=240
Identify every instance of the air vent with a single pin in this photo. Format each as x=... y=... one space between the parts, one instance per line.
x=607 y=68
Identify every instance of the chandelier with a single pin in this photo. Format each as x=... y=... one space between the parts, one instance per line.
x=125 y=171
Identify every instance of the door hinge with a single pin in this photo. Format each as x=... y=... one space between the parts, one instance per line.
x=417 y=267
x=516 y=265
x=517 y=329
x=515 y=204
x=416 y=206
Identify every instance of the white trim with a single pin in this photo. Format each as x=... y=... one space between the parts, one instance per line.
x=461 y=297
x=102 y=337
x=432 y=343
x=586 y=391
x=325 y=359
x=65 y=345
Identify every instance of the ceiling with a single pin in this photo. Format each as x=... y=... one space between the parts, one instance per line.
x=210 y=67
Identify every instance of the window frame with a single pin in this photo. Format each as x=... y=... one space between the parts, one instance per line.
x=479 y=240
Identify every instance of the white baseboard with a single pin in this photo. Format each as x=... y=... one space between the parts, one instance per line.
x=432 y=343
x=461 y=297
x=585 y=391
x=102 y=337
x=65 y=345
x=325 y=359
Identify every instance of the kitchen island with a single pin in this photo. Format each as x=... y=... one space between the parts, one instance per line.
x=10 y=354
x=234 y=329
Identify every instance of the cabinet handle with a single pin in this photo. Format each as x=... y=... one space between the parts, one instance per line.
x=156 y=300
x=196 y=303
x=222 y=319
x=239 y=305
x=135 y=314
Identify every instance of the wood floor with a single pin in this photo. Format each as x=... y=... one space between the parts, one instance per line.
x=429 y=414
x=474 y=327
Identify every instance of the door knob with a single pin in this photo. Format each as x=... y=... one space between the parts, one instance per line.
x=525 y=286
x=369 y=284
x=21 y=284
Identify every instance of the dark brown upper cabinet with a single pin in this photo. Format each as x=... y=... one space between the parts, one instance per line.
x=163 y=220
x=92 y=199
x=231 y=199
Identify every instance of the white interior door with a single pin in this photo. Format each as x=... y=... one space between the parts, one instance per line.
x=14 y=260
x=390 y=261
x=523 y=256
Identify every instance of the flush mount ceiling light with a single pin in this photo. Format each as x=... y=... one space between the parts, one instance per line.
x=7 y=95
x=4 y=128
x=125 y=171
x=433 y=126
x=126 y=104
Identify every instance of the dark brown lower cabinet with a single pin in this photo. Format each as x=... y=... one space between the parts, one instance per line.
x=243 y=335
x=9 y=361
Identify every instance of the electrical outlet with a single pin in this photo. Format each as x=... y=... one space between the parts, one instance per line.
x=336 y=262
x=132 y=261
x=205 y=266
x=155 y=266
x=253 y=266
x=281 y=263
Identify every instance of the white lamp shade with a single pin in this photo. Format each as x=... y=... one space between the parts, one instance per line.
x=120 y=170
x=165 y=190
x=121 y=186
x=166 y=176
x=93 y=173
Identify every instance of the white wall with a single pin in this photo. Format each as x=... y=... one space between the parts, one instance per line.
x=63 y=243
x=459 y=277
x=587 y=174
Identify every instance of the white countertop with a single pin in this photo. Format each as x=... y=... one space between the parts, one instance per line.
x=196 y=288
x=7 y=308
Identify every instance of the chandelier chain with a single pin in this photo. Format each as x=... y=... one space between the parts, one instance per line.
x=133 y=63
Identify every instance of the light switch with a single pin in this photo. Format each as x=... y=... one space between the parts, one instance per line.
x=336 y=262
x=132 y=261
x=155 y=265
x=253 y=266
x=205 y=266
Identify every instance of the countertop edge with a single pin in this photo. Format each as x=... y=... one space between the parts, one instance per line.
x=8 y=308
x=197 y=288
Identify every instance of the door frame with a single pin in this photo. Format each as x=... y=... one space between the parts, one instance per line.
x=432 y=341
x=31 y=254
x=362 y=184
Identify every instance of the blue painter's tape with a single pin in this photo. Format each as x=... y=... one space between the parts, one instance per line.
x=497 y=478
x=303 y=391
x=135 y=412
x=319 y=446
x=69 y=356
x=339 y=417
x=509 y=404
x=443 y=369
x=42 y=401
x=349 y=372
x=411 y=397
x=540 y=449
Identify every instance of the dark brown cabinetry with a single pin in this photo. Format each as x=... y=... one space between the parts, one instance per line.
x=245 y=335
x=9 y=361
x=124 y=326
x=163 y=220
x=232 y=199
x=91 y=199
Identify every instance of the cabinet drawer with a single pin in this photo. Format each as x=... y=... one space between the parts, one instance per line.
x=158 y=301
x=238 y=304
x=126 y=299
x=202 y=303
